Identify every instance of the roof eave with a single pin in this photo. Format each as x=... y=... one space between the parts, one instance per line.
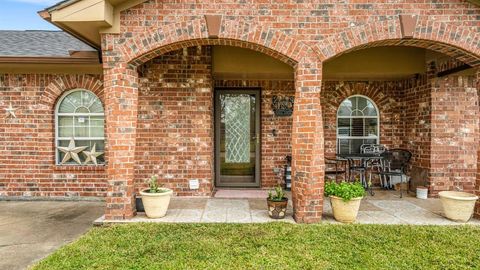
x=45 y=14
x=87 y=20
x=48 y=60
x=61 y=4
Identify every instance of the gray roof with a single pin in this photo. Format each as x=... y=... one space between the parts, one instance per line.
x=39 y=43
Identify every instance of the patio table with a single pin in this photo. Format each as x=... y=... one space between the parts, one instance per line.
x=364 y=159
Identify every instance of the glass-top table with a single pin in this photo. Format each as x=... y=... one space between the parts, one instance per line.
x=364 y=158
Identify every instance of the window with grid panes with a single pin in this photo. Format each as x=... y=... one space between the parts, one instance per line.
x=80 y=115
x=357 y=124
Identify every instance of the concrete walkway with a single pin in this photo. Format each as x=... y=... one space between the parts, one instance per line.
x=386 y=207
x=31 y=230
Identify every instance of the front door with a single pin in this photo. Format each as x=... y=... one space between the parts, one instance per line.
x=237 y=138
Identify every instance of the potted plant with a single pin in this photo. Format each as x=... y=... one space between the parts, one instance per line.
x=277 y=203
x=345 y=199
x=458 y=205
x=155 y=199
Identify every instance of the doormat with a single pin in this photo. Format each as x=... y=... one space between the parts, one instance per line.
x=241 y=193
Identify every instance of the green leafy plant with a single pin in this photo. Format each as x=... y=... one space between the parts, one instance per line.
x=344 y=190
x=276 y=194
x=153 y=185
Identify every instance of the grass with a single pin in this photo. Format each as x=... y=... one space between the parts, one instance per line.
x=270 y=246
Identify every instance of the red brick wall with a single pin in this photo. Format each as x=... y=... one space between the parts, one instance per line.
x=386 y=95
x=300 y=33
x=434 y=118
x=416 y=118
x=27 y=153
x=175 y=121
x=454 y=133
x=330 y=28
x=324 y=17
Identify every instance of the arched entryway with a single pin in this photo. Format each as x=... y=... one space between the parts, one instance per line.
x=427 y=95
x=122 y=85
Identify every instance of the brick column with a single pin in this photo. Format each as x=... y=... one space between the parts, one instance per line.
x=477 y=180
x=121 y=100
x=454 y=125
x=307 y=144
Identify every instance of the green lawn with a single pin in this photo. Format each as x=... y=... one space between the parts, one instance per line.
x=270 y=246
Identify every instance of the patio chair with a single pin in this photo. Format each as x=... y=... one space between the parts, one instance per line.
x=395 y=163
x=360 y=167
x=336 y=166
x=375 y=165
x=372 y=148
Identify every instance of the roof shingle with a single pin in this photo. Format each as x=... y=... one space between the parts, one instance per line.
x=39 y=43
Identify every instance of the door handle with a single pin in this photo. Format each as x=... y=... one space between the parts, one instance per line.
x=257 y=139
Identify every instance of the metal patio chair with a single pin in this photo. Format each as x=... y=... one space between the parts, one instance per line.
x=374 y=165
x=395 y=163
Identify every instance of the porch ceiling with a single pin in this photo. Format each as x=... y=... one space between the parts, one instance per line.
x=383 y=63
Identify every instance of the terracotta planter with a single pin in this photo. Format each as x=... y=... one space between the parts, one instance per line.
x=345 y=212
x=457 y=205
x=277 y=209
x=156 y=204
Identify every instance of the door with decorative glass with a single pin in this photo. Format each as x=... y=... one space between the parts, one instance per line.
x=237 y=138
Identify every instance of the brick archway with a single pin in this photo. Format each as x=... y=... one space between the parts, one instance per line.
x=457 y=42
x=121 y=87
x=245 y=34
x=55 y=89
x=460 y=43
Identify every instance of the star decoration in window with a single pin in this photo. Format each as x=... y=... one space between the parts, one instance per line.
x=71 y=152
x=92 y=155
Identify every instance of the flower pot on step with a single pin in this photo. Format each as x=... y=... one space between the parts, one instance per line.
x=277 y=209
x=457 y=205
x=156 y=204
x=345 y=211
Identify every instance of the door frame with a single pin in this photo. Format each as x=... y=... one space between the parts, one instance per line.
x=238 y=90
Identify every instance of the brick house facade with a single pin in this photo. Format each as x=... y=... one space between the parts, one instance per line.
x=158 y=90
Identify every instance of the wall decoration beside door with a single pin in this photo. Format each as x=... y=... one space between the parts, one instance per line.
x=283 y=105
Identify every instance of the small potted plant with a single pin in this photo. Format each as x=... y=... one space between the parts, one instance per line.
x=155 y=199
x=277 y=203
x=345 y=199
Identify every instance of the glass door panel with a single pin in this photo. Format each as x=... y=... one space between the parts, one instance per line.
x=237 y=138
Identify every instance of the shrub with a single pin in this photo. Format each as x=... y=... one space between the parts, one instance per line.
x=153 y=185
x=344 y=190
x=278 y=194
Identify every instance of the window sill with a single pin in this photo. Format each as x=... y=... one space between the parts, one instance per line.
x=77 y=168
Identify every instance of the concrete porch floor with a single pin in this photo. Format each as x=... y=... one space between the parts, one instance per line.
x=386 y=207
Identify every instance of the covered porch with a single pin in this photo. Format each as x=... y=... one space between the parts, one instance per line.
x=426 y=102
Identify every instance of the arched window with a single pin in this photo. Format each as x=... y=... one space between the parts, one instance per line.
x=357 y=124
x=79 y=128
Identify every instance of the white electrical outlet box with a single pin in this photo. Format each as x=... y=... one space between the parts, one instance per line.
x=194 y=184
